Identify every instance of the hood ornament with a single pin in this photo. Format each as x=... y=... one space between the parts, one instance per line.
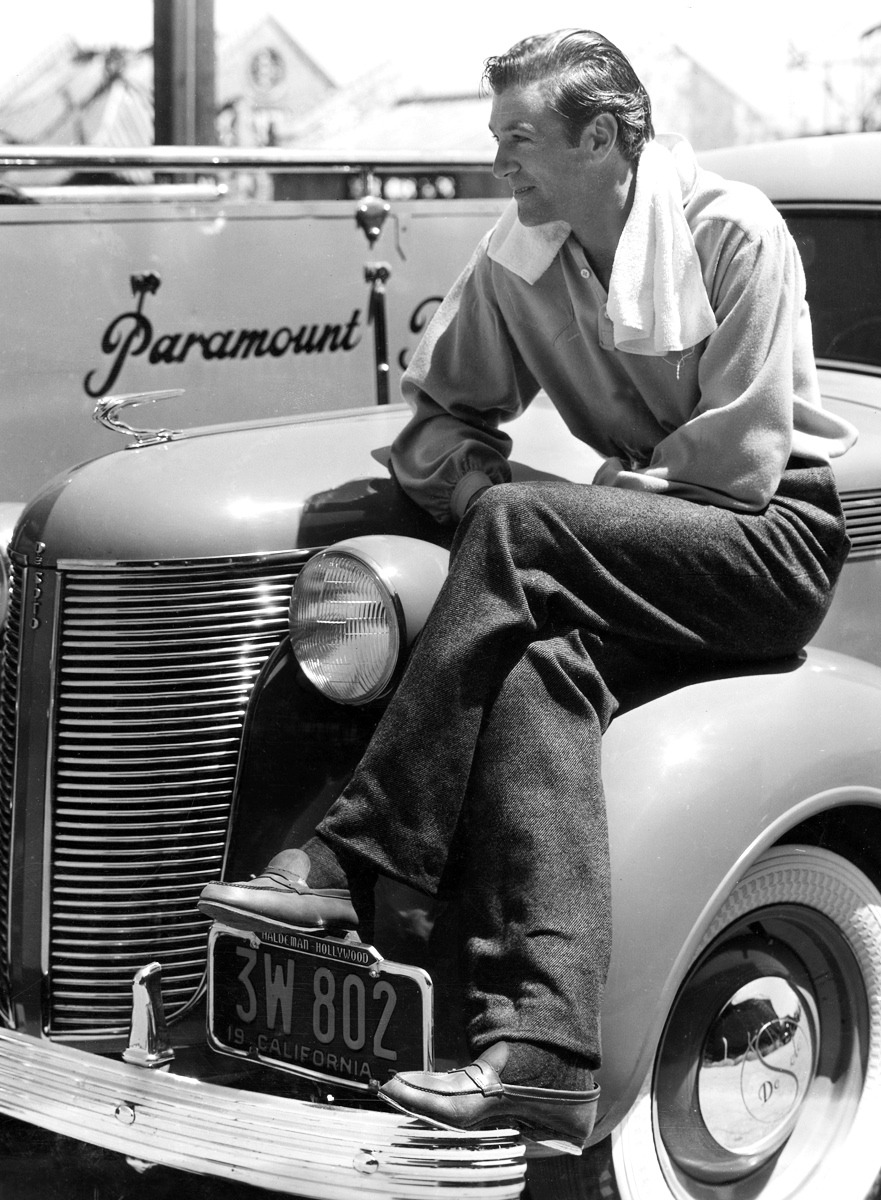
x=107 y=411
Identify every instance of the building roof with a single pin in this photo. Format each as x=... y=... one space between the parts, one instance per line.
x=75 y=96
x=381 y=112
x=389 y=110
x=72 y=95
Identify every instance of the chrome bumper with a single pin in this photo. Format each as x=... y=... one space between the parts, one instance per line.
x=315 y=1150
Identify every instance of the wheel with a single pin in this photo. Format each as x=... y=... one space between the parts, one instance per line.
x=767 y=1079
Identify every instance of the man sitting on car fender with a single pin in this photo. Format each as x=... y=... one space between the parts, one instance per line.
x=663 y=311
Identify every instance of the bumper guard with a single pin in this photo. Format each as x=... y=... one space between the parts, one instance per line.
x=317 y=1150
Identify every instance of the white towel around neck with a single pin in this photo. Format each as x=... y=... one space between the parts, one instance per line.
x=657 y=300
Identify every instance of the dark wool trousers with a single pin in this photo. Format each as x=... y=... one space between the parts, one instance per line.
x=561 y=603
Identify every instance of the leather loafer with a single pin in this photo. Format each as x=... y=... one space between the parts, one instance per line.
x=474 y=1097
x=280 y=896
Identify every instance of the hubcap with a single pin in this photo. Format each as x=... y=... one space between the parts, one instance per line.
x=758 y=1060
x=738 y=1059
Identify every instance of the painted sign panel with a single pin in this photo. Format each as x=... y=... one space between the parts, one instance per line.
x=255 y=310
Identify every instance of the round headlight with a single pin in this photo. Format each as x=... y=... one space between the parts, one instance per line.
x=346 y=626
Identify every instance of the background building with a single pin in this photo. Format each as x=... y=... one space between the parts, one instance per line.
x=265 y=83
x=270 y=92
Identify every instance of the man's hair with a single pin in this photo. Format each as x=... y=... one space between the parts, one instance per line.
x=582 y=74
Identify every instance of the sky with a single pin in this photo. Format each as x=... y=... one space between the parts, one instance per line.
x=445 y=43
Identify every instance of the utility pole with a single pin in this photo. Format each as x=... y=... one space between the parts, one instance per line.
x=870 y=116
x=183 y=73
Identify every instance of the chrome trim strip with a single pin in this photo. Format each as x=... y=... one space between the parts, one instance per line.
x=222 y=157
x=827 y=207
x=53 y=678
x=10 y=680
x=324 y=1151
x=107 y=568
x=221 y=692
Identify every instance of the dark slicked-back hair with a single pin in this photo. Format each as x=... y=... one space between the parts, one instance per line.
x=582 y=74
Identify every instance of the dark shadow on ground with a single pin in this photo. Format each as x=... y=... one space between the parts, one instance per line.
x=38 y=1165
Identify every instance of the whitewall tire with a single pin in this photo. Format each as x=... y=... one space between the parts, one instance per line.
x=767 y=1082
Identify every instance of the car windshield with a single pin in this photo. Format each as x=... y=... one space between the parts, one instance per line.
x=841 y=252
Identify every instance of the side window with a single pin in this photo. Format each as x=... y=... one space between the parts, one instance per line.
x=841 y=252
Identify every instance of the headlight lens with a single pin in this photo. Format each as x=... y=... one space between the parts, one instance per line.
x=346 y=627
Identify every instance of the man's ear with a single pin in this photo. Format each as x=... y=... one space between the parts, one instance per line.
x=600 y=136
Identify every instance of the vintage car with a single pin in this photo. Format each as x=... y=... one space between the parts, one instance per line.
x=165 y=720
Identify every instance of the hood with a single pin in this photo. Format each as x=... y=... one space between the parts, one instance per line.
x=259 y=489
x=306 y=482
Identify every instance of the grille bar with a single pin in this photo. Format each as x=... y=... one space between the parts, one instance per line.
x=862 y=511
x=156 y=665
x=9 y=679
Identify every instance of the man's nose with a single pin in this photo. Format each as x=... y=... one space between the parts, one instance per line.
x=502 y=164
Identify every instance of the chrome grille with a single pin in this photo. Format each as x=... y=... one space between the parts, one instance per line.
x=155 y=667
x=8 y=704
x=862 y=511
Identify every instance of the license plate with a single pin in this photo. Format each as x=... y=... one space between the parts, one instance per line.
x=324 y=1008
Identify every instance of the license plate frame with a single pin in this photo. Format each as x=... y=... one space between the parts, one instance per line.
x=369 y=1017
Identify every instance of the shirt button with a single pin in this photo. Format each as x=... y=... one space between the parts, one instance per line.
x=585 y=273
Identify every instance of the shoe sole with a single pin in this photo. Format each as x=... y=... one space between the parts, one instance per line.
x=548 y=1139
x=248 y=921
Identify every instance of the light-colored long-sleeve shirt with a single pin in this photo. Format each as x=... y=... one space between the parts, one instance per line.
x=715 y=423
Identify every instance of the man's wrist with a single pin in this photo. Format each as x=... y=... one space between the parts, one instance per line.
x=467 y=490
x=476 y=495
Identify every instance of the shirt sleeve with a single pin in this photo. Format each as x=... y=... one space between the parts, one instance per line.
x=465 y=379
x=753 y=370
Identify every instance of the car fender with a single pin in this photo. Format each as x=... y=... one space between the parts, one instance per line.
x=698 y=783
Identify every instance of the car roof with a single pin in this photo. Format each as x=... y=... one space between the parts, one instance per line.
x=838 y=168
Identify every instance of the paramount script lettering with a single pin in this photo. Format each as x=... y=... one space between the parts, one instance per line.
x=131 y=334
x=419 y=318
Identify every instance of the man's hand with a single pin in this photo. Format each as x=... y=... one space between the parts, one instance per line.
x=608 y=472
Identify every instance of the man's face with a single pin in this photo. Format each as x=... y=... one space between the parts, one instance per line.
x=546 y=173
